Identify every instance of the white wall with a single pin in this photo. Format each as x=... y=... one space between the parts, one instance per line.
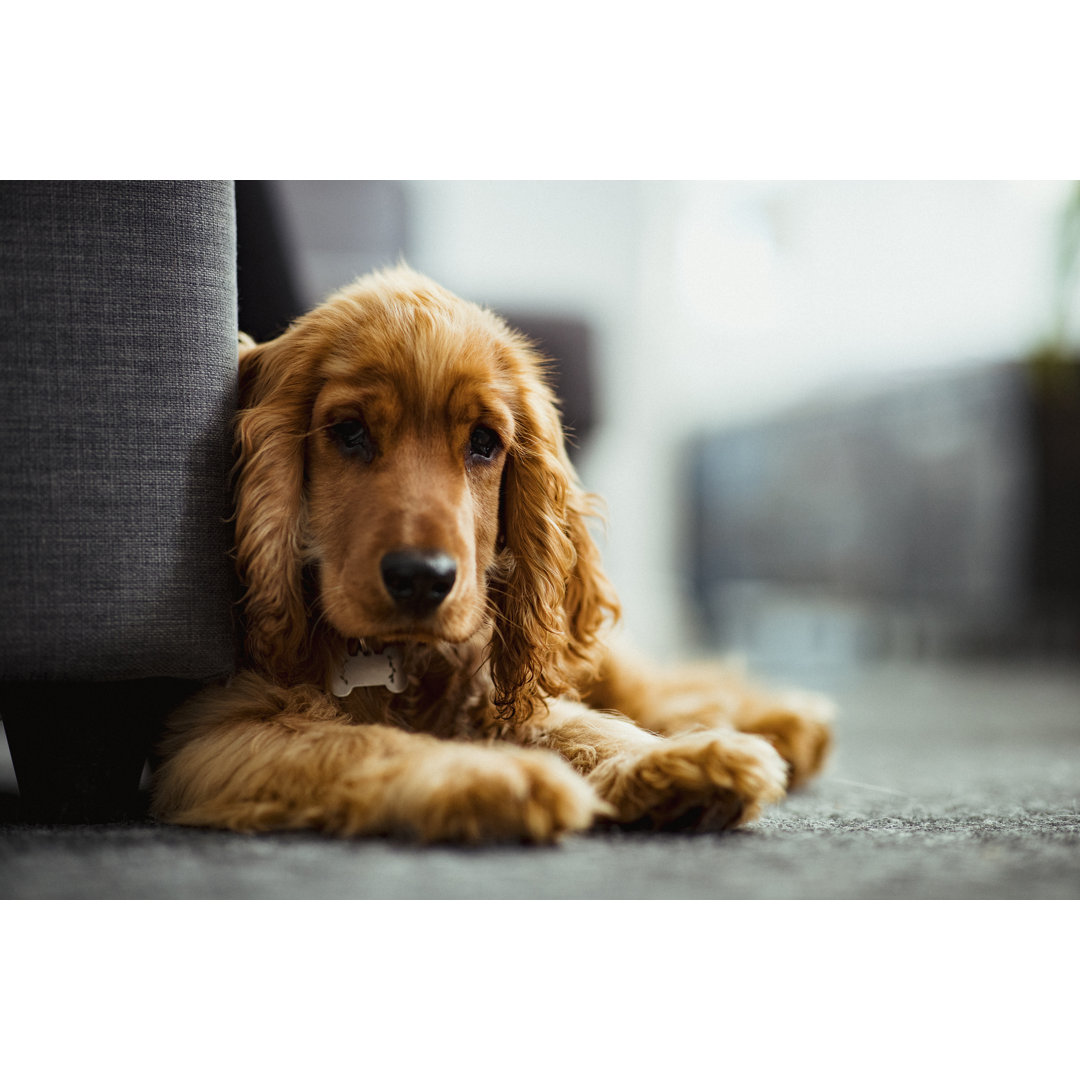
x=716 y=302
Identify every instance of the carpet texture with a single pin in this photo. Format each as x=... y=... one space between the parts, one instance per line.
x=949 y=782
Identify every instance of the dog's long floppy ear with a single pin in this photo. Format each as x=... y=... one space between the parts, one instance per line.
x=271 y=429
x=553 y=597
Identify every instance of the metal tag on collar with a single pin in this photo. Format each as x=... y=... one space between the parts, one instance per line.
x=369 y=668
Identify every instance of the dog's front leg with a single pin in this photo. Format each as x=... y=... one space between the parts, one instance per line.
x=697 y=697
x=256 y=757
x=705 y=780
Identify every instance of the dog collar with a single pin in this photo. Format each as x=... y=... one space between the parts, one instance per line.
x=368 y=668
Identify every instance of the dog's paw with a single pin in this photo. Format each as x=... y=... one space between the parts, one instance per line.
x=702 y=781
x=484 y=794
x=799 y=725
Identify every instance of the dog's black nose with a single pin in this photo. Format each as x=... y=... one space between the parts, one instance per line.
x=419 y=581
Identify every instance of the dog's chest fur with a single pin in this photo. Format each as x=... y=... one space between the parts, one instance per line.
x=448 y=693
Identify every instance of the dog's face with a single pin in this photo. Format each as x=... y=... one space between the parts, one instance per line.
x=406 y=450
x=402 y=477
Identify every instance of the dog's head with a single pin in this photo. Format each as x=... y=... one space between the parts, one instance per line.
x=402 y=477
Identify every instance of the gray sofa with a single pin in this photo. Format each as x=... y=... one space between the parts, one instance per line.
x=935 y=517
x=117 y=376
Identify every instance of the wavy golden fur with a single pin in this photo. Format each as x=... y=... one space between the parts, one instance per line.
x=402 y=484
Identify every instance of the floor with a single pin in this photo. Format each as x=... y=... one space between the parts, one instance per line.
x=949 y=782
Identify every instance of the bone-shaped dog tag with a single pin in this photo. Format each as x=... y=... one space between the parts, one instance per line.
x=370 y=669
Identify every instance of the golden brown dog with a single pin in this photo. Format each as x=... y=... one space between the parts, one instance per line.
x=424 y=610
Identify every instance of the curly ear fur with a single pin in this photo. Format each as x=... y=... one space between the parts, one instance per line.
x=271 y=428
x=553 y=597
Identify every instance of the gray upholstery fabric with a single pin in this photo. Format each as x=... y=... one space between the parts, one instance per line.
x=895 y=518
x=117 y=382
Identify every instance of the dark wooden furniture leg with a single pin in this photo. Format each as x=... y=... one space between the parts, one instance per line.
x=79 y=748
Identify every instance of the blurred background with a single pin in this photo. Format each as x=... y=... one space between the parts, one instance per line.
x=832 y=421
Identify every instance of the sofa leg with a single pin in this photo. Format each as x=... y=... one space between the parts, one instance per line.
x=79 y=748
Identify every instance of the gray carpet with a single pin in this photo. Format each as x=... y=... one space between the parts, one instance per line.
x=949 y=782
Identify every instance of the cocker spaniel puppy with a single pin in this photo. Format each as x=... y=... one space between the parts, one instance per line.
x=425 y=607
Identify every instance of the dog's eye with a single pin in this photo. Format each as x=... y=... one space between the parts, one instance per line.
x=354 y=438
x=484 y=443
